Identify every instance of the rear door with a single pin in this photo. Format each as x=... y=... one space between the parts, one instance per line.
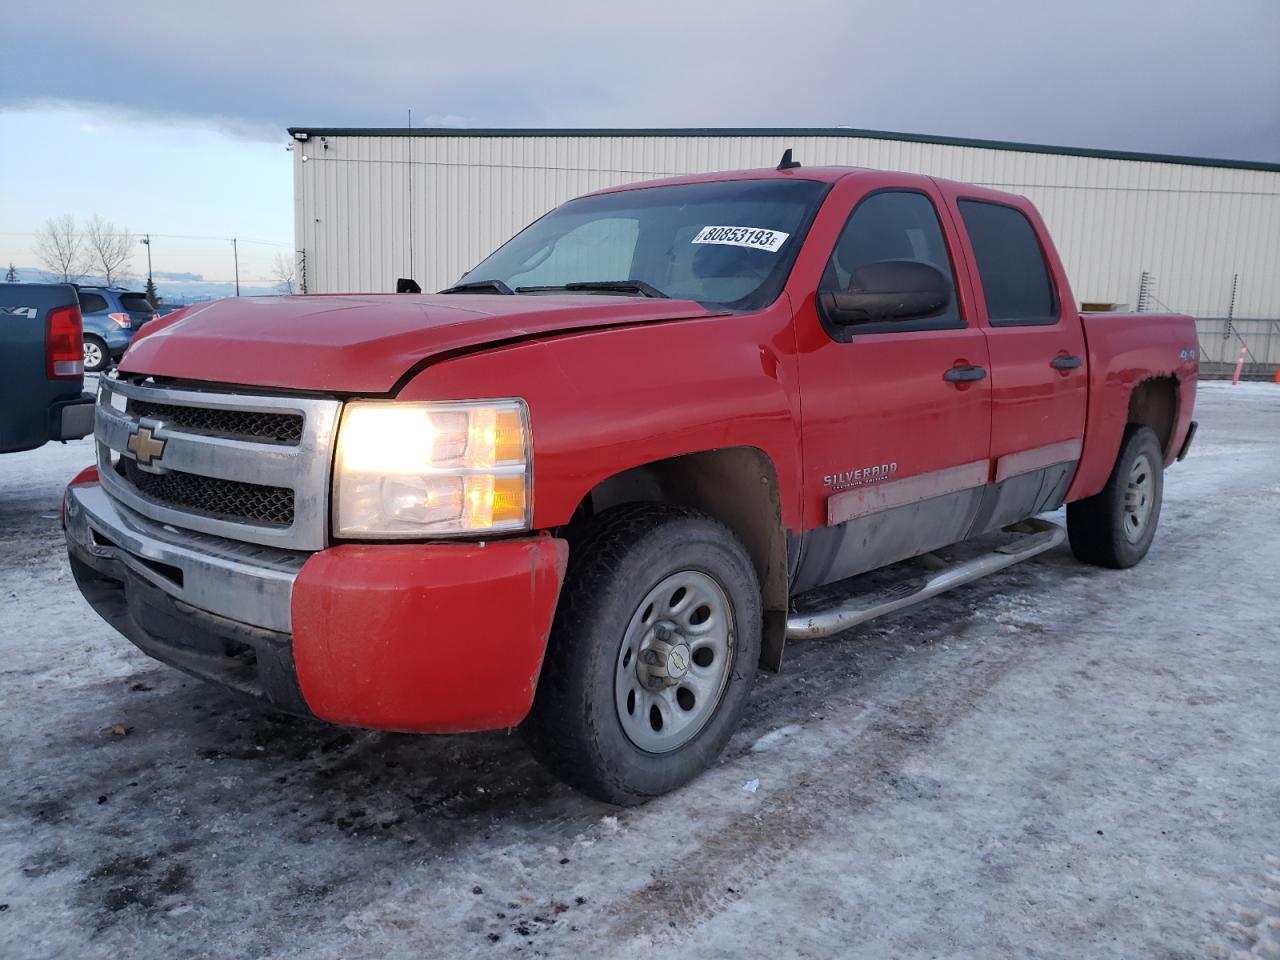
x=1039 y=377
x=896 y=444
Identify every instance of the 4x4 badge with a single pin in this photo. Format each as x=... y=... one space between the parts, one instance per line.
x=145 y=447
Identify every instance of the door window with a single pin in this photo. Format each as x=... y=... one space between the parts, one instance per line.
x=892 y=225
x=1016 y=282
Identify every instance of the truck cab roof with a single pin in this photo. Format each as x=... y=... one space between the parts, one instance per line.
x=823 y=174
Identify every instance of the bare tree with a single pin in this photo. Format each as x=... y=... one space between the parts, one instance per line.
x=285 y=274
x=60 y=249
x=12 y=275
x=110 y=248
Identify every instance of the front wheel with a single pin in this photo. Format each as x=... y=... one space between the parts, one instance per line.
x=1115 y=527
x=651 y=656
x=96 y=355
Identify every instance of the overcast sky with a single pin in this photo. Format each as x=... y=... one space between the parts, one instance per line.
x=169 y=115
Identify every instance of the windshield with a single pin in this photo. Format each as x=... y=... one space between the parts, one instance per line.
x=729 y=243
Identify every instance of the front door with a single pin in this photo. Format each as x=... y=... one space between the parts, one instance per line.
x=896 y=414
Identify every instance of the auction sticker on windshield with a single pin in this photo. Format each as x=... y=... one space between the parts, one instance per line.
x=754 y=237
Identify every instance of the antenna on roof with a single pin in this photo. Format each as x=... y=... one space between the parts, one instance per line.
x=787 y=163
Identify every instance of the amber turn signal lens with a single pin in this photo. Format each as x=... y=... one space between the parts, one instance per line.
x=508 y=499
x=509 y=437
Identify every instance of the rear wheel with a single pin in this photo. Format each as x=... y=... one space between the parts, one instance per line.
x=96 y=355
x=652 y=654
x=1115 y=527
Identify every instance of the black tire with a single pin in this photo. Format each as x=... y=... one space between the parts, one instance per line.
x=1102 y=527
x=105 y=355
x=575 y=728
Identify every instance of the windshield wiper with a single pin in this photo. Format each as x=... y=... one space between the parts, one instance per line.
x=481 y=286
x=601 y=286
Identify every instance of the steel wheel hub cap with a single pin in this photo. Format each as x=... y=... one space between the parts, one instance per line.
x=674 y=661
x=1139 y=499
x=661 y=661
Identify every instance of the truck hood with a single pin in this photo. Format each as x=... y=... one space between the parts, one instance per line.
x=363 y=343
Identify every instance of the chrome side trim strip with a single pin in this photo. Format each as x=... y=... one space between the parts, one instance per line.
x=1037 y=458
x=239 y=581
x=860 y=608
x=872 y=498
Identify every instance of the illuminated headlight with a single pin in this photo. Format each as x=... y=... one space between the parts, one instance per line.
x=407 y=470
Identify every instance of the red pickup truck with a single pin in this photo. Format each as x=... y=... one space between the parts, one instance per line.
x=590 y=488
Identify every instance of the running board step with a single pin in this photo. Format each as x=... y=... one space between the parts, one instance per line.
x=1033 y=537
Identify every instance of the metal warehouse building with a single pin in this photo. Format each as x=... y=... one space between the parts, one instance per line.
x=1138 y=231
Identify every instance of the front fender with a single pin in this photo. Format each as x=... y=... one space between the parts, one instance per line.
x=604 y=401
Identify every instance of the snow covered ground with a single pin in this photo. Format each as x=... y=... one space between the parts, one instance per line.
x=1059 y=761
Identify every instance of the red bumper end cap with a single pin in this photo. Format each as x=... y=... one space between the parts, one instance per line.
x=428 y=638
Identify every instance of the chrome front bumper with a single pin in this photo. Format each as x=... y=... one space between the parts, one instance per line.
x=244 y=582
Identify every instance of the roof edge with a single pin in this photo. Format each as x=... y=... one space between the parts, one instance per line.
x=847 y=132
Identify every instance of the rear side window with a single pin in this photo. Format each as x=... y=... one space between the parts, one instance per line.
x=92 y=303
x=1016 y=281
x=136 y=303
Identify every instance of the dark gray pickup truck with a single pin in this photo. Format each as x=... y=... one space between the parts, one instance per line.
x=41 y=366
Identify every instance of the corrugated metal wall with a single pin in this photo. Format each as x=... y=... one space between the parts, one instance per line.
x=1191 y=227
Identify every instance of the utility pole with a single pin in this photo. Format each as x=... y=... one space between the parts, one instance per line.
x=153 y=298
x=409 y=273
x=235 y=252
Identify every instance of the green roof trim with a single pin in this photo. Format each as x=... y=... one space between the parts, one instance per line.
x=779 y=132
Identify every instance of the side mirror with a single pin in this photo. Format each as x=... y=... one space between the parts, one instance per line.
x=889 y=290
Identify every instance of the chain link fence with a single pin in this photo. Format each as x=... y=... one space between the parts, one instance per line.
x=1221 y=339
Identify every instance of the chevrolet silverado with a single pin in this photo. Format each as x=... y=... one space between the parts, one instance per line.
x=590 y=488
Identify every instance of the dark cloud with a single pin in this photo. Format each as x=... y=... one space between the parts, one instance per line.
x=1178 y=76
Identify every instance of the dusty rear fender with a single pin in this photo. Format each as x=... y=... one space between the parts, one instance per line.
x=1125 y=351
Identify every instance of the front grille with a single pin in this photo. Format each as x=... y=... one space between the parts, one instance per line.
x=268 y=486
x=233 y=424
x=222 y=499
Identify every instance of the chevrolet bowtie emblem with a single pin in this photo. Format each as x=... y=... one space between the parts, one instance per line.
x=145 y=447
